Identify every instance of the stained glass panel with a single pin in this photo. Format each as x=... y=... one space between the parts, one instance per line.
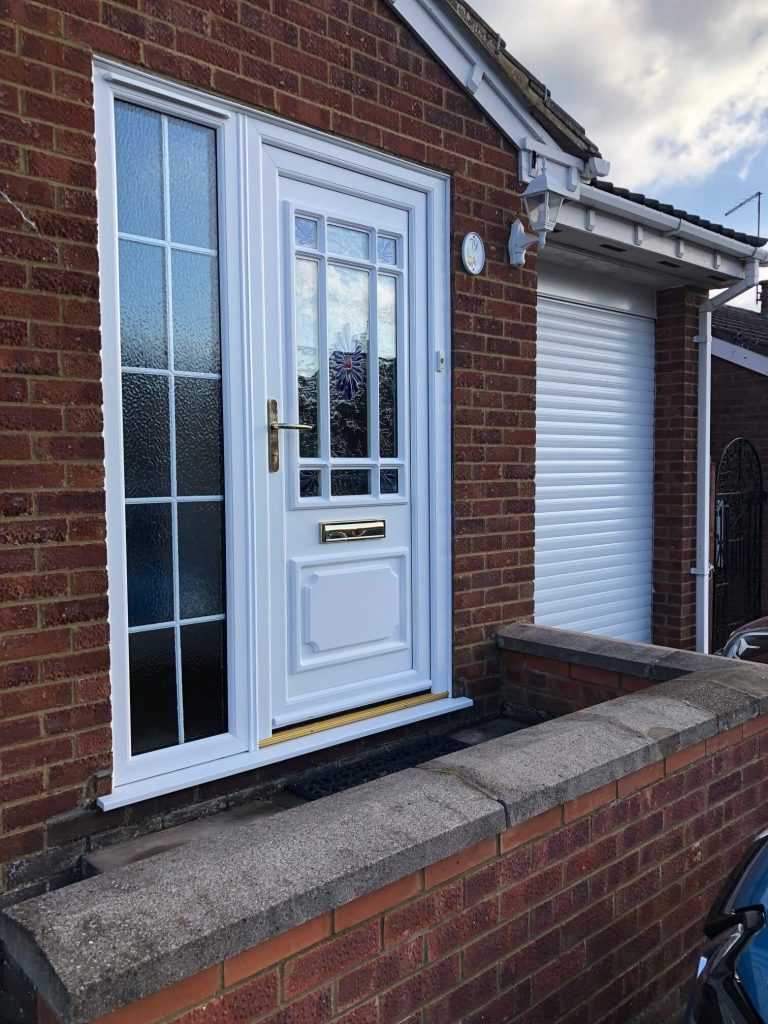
x=306 y=232
x=386 y=248
x=309 y=483
x=389 y=481
x=348 y=326
x=348 y=242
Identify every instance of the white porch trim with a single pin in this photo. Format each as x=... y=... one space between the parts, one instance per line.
x=740 y=356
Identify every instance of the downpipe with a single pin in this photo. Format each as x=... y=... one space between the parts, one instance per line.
x=704 y=568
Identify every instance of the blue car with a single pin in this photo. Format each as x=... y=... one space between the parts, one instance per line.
x=732 y=979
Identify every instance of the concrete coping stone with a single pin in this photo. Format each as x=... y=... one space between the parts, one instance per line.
x=645 y=661
x=108 y=941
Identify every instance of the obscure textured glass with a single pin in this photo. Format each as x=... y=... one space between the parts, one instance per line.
x=307 y=352
x=143 y=313
x=152 y=669
x=386 y=249
x=204 y=679
x=306 y=232
x=192 y=183
x=139 y=152
x=195 y=288
x=348 y=326
x=199 y=444
x=201 y=558
x=309 y=483
x=347 y=242
x=350 y=481
x=387 y=342
x=388 y=481
x=150 y=563
x=146 y=436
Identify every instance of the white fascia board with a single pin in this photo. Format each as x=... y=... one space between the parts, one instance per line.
x=470 y=65
x=674 y=227
x=740 y=356
x=618 y=228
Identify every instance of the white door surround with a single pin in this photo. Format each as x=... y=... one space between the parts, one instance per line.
x=361 y=630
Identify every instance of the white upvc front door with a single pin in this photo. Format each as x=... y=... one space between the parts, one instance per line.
x=349 y=552
x=295 y=280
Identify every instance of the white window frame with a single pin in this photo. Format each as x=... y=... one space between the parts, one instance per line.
x=240 y=253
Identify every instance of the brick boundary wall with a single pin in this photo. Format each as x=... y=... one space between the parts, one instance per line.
x=548 y=672
x=674 y=477
x=557 y=687
x=740 y=409
x=350 y=68
x=591 y=911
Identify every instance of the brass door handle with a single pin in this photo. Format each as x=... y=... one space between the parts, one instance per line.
x=273 y=433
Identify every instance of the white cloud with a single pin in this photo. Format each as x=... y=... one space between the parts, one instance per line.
x=668 y=89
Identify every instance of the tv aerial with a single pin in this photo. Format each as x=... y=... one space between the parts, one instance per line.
x=758 y=196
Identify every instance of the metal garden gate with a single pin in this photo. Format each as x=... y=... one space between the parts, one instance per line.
x=738 y=539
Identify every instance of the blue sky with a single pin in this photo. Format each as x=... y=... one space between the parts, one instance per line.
x=674 y=92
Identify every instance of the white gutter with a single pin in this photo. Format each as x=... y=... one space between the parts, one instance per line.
x=703 y=568
x=666 y=224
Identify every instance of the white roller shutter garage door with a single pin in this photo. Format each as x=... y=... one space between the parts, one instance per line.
x=594 y=470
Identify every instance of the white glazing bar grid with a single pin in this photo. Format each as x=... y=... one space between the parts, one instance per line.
x=374 y=462
x=170 y=373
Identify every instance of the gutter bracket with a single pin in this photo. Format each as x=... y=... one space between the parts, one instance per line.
x=673 y=231
x=475 y=79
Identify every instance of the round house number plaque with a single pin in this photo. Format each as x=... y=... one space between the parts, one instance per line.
x=473 y=253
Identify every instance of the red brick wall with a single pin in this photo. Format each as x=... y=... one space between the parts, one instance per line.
x=348 y=67
x=590 y=912
x=674 y=482
x=557 y=687
x=740 y=409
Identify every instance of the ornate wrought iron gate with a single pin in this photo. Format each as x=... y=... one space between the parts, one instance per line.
x=738 y=539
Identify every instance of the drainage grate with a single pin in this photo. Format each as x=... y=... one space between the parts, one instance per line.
x=340 y=777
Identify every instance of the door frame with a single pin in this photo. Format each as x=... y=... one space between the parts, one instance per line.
x=244 y=132
x=289 y=174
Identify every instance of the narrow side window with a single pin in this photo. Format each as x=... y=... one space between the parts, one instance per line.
x=172 y=428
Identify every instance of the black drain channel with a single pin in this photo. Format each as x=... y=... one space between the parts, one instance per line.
x=337 y=778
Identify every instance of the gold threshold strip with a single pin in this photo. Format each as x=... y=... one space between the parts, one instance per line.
x=349 y=717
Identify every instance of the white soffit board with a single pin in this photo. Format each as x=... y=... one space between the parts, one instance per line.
x=740 y=356
x=596 y=289
x=594 y=469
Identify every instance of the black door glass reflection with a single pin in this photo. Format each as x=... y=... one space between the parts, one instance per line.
x=199 y=442
x=146 y=436
x=154 y=718
x=350 y=481
x=201 y=558
x=150 y=563
x=203 y=671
